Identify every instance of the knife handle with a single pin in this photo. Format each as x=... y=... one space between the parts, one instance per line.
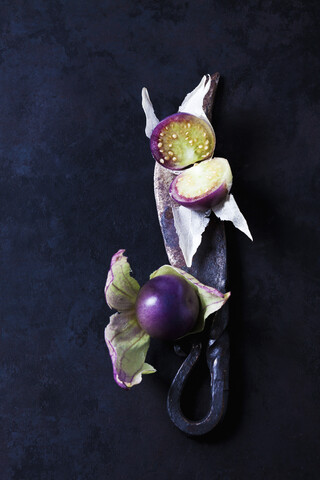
x=218 y=364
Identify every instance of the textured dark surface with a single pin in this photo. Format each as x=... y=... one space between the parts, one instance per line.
x=77 y=185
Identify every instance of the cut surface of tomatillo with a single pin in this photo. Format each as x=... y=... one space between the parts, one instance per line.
x=204 y=185
x=182 y=140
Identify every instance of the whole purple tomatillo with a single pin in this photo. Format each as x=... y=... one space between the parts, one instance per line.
x=167 y=307
x=170 y=305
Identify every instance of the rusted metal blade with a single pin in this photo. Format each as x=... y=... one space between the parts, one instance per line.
x=209 y=266
x=165 y=205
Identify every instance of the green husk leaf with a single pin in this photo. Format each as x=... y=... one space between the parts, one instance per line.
x=128 y=345
x=121 y=289
x=229 y=210
x=127 y=342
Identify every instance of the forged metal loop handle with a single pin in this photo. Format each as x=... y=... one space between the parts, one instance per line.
x=218 y=363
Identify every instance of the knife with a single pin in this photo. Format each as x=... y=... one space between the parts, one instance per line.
x=210 y=267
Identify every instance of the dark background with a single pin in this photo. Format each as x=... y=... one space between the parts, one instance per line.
x=76 y=185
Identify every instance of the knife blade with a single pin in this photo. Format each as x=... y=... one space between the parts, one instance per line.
x=210 y=267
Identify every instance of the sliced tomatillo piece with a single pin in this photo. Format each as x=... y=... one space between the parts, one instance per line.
x=204 y=185
x=182 y=140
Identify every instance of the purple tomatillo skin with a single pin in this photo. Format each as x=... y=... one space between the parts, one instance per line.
x=167 y=307
x=179 y=117
x=200 y=204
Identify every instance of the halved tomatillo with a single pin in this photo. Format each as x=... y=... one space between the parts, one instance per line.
x=182 y=140
x=204 y=185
